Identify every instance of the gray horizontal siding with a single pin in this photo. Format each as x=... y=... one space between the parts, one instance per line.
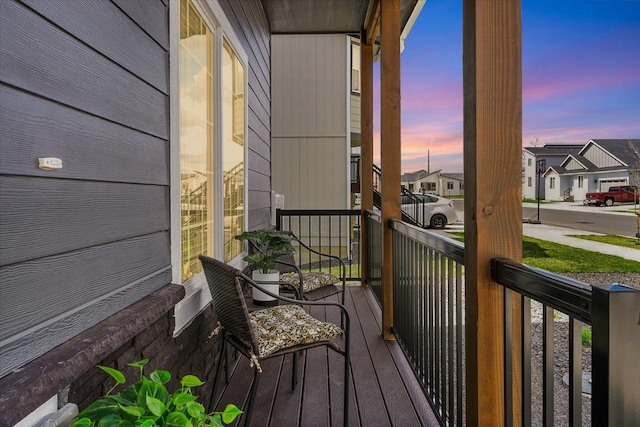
x=57 y=331
x=41 y=58
x=100 y=25
x=42 y=217
x=43 y=289
x=91 y=148
x=151 y=15
x=86 y=82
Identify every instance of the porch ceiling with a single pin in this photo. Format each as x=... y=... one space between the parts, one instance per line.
x=324 y=16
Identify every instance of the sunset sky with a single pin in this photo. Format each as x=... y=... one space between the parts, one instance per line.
x=581 y=77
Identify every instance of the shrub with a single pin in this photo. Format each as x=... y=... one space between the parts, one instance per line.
x=147 y=403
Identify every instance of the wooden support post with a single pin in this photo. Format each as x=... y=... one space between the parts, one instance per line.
x=492 y=50
x=390 y=147
x=366 y=146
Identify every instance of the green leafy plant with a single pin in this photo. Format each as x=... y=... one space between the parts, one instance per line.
x=270 y=247
x=586 y=335
x=147 y=403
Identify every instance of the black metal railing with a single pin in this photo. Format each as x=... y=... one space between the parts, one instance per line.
x=374 y=252
x=613 y=311
x=428 y=287
x=333 y=232
x=429 y=314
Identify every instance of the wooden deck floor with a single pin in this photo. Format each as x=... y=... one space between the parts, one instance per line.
x=384 y=391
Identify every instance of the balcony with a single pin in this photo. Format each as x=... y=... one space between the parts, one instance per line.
x=429 y=330
x=384 y=390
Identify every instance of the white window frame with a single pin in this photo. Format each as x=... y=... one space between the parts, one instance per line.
x=529 y=181
x=356 y=73
x=197 y=291
x=580 y=181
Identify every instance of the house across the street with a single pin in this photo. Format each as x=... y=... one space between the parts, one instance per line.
x=571 y=171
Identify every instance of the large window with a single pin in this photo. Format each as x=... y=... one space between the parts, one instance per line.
x=208 y=146
x=196 y=139
x=233 y=149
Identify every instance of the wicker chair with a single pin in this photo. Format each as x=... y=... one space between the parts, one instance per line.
x=270 y=332
x=312 y=286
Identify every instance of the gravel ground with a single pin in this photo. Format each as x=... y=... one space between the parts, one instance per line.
x=561 y=357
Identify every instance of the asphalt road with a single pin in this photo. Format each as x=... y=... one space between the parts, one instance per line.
x=595 y=222
x=605 y=223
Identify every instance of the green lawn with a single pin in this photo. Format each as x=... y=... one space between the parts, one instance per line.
x=566 y=259
x=610 y=239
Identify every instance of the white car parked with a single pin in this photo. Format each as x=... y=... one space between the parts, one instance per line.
x=429 y=210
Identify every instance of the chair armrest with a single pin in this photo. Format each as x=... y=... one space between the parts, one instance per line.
x=343 y=266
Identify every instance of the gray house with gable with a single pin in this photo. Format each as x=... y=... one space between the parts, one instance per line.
x=599 y=164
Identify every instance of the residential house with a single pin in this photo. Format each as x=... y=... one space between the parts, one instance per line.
x=438 y=182
x=599 y=164
x=550 y=155
x=136 y=135
x=168 y=125
x=451 y=184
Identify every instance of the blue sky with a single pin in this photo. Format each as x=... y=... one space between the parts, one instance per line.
x=581 y=77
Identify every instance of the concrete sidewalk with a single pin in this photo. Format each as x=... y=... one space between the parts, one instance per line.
x=561 y=235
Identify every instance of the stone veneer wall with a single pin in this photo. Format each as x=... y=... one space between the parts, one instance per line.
x=143 y=330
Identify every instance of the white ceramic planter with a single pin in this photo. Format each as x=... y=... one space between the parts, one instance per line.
x=259 y=297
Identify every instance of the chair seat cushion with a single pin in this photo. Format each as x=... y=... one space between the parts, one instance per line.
x=310 y=280
x=284 y=326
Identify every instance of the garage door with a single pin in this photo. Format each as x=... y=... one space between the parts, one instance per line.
x=606 y=183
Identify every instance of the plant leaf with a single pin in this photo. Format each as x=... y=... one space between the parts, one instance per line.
x=99 y=409
x=115 y=374
x=191 y=381
x=112 y=420
x=152 y=389
x=147 y=423
x=180 y=399
x=83 y=422
x=160 y=376
x=230 y=413
x=177 y=419
x=139 y=363
x=156 y=406
x=136 y=411
x=195 y=409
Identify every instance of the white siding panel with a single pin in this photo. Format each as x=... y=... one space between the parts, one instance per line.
x=355 y=114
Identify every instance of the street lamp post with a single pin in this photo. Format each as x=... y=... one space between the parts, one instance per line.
x=541 y=166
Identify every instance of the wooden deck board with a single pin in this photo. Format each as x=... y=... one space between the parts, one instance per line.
x=383 y=390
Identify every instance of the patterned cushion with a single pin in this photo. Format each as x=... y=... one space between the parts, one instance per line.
x=284 y=326
x=310 y=281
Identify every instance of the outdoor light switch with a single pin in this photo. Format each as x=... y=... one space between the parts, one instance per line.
x=49 y=163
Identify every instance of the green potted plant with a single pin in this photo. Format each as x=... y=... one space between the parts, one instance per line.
x=147 y=403
x=269 y=247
